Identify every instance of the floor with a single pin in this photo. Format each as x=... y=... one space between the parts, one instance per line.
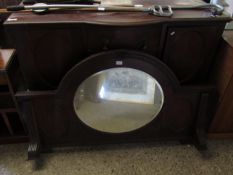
x=168 y=158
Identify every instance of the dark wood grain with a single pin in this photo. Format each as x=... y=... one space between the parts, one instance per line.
x=175 y=122
x=223 y=77
x=43 y=44
x=189 y=52
x=59 y=50
x=14 y=139
x=5 y=3
x=7 y=123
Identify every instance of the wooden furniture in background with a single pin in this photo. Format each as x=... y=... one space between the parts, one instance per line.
x=11 y=127
x=222 y=125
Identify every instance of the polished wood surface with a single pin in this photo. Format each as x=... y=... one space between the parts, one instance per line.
x=223 y=120
x=5 y=3
x=76 y=42
x=183 y=116
x=58 y=51
x=117 y=18
x=199 y=52
x=224 y=65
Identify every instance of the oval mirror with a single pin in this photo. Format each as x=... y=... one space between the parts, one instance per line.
x=118 y=100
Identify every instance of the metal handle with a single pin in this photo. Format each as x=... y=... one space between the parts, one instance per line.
x=158 y=10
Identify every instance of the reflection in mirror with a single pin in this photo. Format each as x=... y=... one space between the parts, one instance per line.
x=118 y=100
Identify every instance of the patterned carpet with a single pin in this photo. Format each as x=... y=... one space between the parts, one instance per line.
x=150 y=159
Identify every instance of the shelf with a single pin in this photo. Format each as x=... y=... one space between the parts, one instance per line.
x=11 y=127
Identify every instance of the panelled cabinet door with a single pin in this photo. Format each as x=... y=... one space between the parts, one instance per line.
x=189 y=51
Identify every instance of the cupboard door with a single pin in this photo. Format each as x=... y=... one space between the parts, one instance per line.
x=189 y=51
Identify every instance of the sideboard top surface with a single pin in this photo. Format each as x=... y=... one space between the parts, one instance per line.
x=118 y=18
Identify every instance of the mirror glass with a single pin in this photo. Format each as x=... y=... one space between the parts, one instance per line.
x=118 y=100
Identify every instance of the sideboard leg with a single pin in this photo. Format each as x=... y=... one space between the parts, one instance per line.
x=200 y=141
x=200 y=126
x=33 y=151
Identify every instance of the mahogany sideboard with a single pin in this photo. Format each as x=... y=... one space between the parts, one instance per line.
x=75 y=69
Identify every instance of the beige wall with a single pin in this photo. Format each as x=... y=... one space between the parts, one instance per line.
x=230 y=8
x=230 y=11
